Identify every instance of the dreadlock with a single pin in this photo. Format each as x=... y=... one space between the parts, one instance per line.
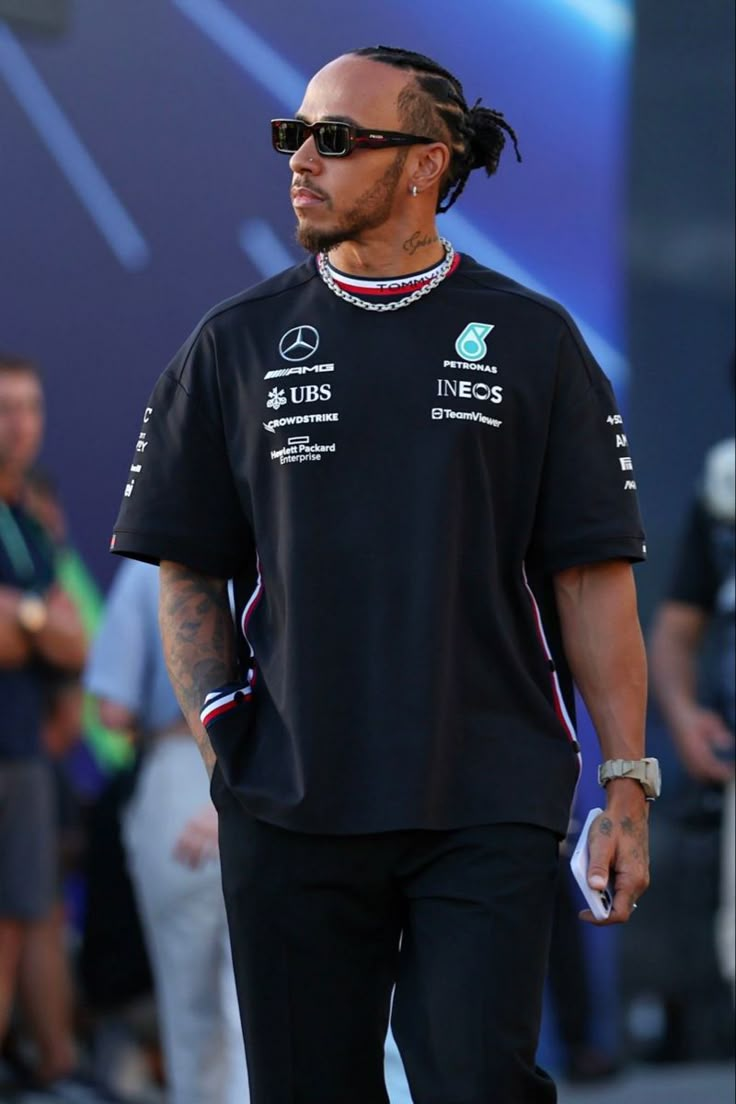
x=434 y=104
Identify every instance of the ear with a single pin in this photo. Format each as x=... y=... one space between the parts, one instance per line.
x=429 y=164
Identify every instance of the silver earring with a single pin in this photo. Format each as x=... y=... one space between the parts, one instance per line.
x=414 y=191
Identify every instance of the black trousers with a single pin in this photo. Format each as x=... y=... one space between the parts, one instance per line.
x=323 y=927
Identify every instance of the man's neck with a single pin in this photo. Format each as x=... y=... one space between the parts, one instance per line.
x=414 y=248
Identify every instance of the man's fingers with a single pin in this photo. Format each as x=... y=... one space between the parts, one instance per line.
x=708 y=767
x=624 y=904
x=600 y=852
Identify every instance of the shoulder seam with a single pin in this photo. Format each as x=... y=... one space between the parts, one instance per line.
x=526 y=293
x=244 y=298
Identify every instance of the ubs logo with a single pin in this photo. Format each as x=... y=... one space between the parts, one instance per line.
x=299 y=343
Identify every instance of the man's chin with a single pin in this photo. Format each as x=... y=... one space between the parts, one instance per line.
x=316 y=240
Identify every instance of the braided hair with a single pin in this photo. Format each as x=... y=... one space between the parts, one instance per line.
x=434 y=104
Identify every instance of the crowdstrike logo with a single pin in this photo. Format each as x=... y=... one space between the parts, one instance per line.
x=471 y=344
x=299 y=343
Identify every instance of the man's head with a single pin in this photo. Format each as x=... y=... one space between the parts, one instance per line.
x=21 y=414
x=380 y=88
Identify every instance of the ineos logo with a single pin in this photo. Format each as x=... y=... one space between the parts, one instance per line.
x=469 y=389
x=299 y=343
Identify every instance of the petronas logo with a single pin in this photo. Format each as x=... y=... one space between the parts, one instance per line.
x=471 y=344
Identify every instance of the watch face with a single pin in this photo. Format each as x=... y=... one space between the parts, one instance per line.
x=32 y=614
x=654 y=778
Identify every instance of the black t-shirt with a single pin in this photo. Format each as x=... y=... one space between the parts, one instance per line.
x=410 y=481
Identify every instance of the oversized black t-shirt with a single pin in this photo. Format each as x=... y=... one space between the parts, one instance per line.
x=410 y=481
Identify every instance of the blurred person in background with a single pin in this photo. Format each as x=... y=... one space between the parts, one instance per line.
x=55 y=1014
x=170 y=838
x=386 y=722
x=41 y=640
x=693 y=662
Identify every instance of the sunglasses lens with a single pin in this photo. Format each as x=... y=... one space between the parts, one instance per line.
x=333 y=139
x=288 y=135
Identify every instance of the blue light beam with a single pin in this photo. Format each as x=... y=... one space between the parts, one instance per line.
x=248 y=49
x=614 y=17
x=75 y=162
x=264 y=248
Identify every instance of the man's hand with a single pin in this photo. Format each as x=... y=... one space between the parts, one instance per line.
x=603 y=643
x=619 y=849
x=15 y=647
x=197 y=843
x=62 y=640
x=699 y=734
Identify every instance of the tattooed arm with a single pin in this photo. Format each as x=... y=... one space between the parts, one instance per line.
x=604 y=646
x=199 y=642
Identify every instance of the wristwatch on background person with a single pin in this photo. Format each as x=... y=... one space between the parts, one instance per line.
x=31 y=613
x=644 y=771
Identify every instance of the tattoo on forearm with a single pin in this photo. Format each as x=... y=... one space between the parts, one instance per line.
x=198 y=639
x=418 y=241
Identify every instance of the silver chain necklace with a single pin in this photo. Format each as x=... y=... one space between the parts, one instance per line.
x=365 y=304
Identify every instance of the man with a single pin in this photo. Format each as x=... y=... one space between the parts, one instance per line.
x=170 y=835
x=412 y=458
x=39 y=632
x=700 y=609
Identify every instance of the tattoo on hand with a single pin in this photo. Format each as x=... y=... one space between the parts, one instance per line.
x=418 y=241
x=605 y=826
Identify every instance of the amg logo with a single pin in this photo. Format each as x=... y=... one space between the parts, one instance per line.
x=299 y=370
x=469 y=389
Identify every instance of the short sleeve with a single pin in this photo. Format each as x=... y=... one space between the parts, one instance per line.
x=695 y=578
x=587 y=510
x=117 y=663
x=180 y=502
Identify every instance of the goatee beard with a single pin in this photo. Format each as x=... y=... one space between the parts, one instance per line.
x=319 y=241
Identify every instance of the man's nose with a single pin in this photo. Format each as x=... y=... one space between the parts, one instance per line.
x=306 y=159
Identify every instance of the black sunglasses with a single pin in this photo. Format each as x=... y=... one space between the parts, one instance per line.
x=335 y=139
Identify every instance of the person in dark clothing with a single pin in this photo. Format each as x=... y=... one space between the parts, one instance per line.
x=416 y=477
x=40 y=632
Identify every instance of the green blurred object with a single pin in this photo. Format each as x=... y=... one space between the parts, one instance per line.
x=112 y=750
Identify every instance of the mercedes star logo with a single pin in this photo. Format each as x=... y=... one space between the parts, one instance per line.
x=299 y=343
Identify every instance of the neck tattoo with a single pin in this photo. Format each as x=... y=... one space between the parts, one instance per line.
x=418 y=241
x=396 y=304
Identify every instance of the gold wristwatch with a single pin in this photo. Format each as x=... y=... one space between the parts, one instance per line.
x=32 y=613
x=644 y=771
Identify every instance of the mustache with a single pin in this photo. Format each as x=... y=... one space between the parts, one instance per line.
x=301 y=182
